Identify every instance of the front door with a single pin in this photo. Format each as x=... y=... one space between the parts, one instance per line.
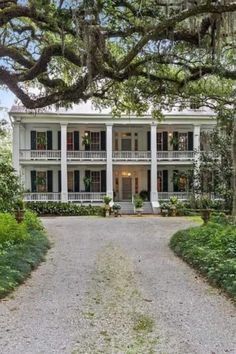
x=126 y=188
x=126 y=144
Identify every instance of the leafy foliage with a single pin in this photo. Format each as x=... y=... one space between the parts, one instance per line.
x=22 y=248
x=10 y=188
x=211 y=249
x=66 y=209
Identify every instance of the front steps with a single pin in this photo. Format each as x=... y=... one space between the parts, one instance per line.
x=127 y=208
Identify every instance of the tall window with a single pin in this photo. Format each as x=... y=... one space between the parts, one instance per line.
x=41 y=181
x=183 y=141
x=41 y=140
x=159 y=141
x=70 y=141
x=95 y=141
x=96 y=181
x=70 y=177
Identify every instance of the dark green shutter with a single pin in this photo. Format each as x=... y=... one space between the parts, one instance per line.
x=103 y=181
x=59 y=181
x=190 y=141
x=175 y=141
x=76 y=181
x=76 y=141
x=33 y=181
x=59 y=140
x=165 y=141
x=149 y=182
x=87 y=175
x=49 y=140
x=176 y=180
x=148 y=141
x=87 y=146
x=50 y=181
x=103 y=141
x=33 y=139
x=165 y=180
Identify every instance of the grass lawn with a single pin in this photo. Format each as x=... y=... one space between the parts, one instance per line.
x=22 y=248
x=211 y=249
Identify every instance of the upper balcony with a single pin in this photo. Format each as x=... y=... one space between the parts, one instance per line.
x=101 y=156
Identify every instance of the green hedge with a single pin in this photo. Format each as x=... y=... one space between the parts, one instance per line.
x=22 y=248
x=211 y=249
x=64 y=209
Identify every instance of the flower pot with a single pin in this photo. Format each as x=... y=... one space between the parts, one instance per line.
x=164 y=212
x=139 y=211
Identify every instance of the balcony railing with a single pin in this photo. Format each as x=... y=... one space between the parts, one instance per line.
x=40 y=154
x=86 y=155
x=131 y=155
x=168 y=195
x=84 y=197
x=175 y=155
x=42 y=197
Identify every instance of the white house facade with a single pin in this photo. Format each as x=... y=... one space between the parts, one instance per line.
x=81 y=157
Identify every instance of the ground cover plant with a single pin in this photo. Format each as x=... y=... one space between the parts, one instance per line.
x=22 y=248
x=211 y=249
x=64 y=209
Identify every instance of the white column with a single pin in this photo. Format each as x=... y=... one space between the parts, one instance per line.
x=16 y=147
x=64 y=186
x=109 y=181
x=196 y=148
x=154 y=194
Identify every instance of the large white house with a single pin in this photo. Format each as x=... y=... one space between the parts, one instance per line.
x=81 y=155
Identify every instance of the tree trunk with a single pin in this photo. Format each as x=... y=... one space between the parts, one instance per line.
x=234 y=168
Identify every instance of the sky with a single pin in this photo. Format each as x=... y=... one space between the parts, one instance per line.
x=6 y=99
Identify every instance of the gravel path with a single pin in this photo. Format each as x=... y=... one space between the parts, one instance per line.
x=113 y=286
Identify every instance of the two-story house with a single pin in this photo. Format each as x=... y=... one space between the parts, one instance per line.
x=81 y=155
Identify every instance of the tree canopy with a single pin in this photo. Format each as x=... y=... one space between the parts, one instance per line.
x=130 y=54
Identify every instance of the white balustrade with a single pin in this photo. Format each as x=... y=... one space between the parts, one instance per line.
x=86 y=155
x=175 y=155
x=131 y=155
x=86 y=197
x=40 y=154
x=42 y=197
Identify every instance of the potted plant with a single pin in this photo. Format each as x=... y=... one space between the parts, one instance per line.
x=87 y=182
x=107 y=208
x=19 y=210
x=86 y=139
x=165 y=209
x=116 y=209
x=138 y=203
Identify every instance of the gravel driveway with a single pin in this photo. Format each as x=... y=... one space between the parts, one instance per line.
x=113 y=286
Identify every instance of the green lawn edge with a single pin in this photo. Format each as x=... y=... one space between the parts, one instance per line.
x=211 y=250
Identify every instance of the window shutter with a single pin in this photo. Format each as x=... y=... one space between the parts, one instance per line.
x=148 y=141
x=87 y=175
x=33 y=139
x=175 y=181
x=165 y=180
x=149 y=182
x=76 y=141
x=103 y=181
x=49 y=140
x=190 y=141
x=175 y=141
x=50 y=182
x=59 y=181
x=76 y=181
x=103 y=141
x=59 y=140
x=33 y=181
x=165 y=141
x=87 y=146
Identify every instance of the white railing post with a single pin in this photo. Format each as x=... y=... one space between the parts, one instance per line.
x=109 y=182
x=64 y=188
x=196 y=147
x=154 y=194
x=16 y=147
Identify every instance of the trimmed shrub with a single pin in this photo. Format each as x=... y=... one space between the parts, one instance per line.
x=211 y=249
x=10 y=230
x=64 y=209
